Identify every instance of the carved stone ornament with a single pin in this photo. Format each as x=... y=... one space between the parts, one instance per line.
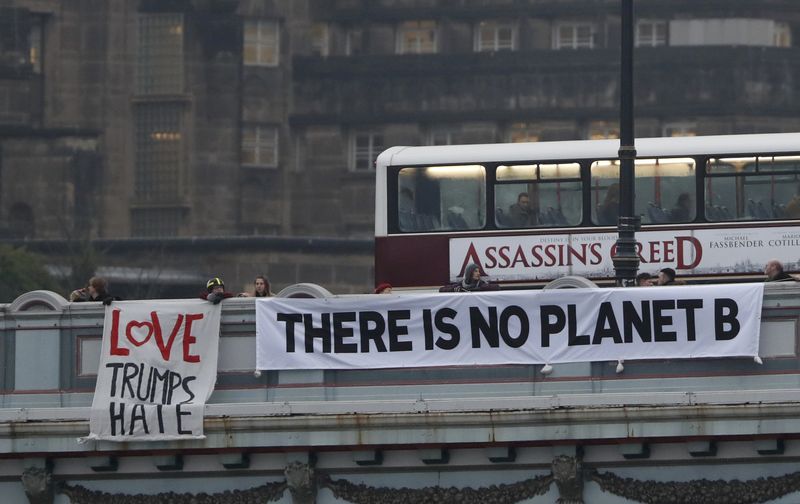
x=568 y=473
x=38 y=485
x=495 y=494
x=301 y=482
x=265 y=493
x=699 y=491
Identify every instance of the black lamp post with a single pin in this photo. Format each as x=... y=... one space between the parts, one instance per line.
x=626 y=260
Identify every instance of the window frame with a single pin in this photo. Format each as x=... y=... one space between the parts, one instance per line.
x=372 y=151
x=417 y=26
x=260 y=130
x=653 y=40
x=496 y=26
x=262 y=43
x=574 y=43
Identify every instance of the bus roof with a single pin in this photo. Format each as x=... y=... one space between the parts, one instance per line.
x=589 y=149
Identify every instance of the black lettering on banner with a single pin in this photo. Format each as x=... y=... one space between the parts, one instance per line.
x=322 y=332
x=606 y=317
x=690 y=305
x=187 y=389
x=631 y=319
x=164 y=379
x=174 y=384
x=115 y=366
x=660 y=320
x=374 y=333
x=427 y=328
x=549 y=328
x=721 y=319
x=137 y=413
x=443 y=326
x=178 y=415
x=488 y=328
x=524 y=326
x=160 y=413
x=115 y=417
x=129 y=372
x=395 y=330
x=291 y=319
x=340 y=332
x=572 y=324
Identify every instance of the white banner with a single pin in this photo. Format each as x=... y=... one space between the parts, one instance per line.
x=157 y=369
x=508 y=327
x=704 y=251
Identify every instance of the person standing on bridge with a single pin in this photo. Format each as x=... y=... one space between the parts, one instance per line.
x=775 y=273
x=472 y=282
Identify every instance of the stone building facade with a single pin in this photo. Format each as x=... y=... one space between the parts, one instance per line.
x=157 y=119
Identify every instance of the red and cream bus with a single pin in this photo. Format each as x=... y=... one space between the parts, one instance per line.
x=714 y=208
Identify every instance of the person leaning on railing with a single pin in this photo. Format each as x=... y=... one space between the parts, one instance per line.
x=472 y=282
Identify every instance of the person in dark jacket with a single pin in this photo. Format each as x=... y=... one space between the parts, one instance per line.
x=97 y=290
x=472 y=282
x=215 y=291
x=775 y=273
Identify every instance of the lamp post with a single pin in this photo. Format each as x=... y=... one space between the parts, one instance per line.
x=626 y=260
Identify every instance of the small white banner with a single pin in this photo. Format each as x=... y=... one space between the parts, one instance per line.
x=157 y=369
x=509 y=327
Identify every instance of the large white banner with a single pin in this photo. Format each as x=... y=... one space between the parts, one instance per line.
x=704 y=251
x=158 y=367
x=508 y=327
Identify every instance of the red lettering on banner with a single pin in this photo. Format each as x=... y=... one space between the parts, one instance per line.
x=188 y=338
x=115 y=348
x=696 y=246
x=471 y=257
x=135 y=334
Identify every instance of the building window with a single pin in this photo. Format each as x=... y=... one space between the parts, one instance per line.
x=416 y=37
x=261 y=43
x=160 y=54
x=783 y=35
x=495 y=36
x=574 y=36
x=352 y=41
x=442 y=136
x=676 y=129
x=159 y=152
x=319 y=39
x=364 y=149
x=523 y=132
x=156 y=221
x=260 y=146
x=35 y=45
x=650 y=33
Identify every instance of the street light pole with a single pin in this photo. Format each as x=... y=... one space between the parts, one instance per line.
x=626 y=259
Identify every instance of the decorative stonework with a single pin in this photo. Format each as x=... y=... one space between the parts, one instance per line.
x=302 y=483
x=258 y=495
x=495 y=494
x=38 y=485
x=568 y=474
x=699 y=491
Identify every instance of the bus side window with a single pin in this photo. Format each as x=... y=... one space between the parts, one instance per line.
x=547 y=195
x=438 y=198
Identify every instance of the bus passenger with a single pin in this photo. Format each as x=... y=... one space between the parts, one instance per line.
x=521 y=214
x=682 y=212
x=775 y=273
x=472 y=282
x=793 y=206
x=608 y=212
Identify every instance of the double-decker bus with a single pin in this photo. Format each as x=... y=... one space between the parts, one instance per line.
x=714 y=208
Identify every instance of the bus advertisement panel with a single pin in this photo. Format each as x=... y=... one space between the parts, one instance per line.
x=696 y=252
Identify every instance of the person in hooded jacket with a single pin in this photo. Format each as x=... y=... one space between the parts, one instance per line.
x=472 y=282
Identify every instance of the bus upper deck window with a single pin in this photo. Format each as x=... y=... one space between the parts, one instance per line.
x=538 y=195
x=753 y=188
x=665 y=191
x=441 y=198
